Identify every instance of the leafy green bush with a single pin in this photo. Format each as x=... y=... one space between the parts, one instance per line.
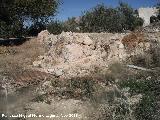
x=146 y=84
x=105 y=19
x=34 y=29
x=75 y=88
x=14 y=30
x=14 y=13
x=55 y=27
x=153 y=19
x=72 y=24
x=101 y=19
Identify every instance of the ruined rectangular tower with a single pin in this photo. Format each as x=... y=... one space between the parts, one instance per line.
x=146 y=13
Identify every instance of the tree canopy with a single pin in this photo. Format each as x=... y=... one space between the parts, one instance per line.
x=107 y=19
x=13 y=13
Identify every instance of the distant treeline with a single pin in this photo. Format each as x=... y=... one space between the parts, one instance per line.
x=40 y=13
x=101 y=19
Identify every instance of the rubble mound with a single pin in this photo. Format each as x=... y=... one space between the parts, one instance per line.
x=78 y=54
x=152 y=28
x=42 y=35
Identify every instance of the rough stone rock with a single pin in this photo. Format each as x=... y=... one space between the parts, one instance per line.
x=42 y=35
x=85 y=40
x=78 y=54
x=36 y=63
x=72 y=52
x=45 y=88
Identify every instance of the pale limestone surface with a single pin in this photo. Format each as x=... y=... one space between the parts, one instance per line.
x=42 y=35
x=146 y=13
x=79 y=54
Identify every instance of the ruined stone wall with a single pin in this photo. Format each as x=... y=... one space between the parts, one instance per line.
x=146 y=13
x=78 y=54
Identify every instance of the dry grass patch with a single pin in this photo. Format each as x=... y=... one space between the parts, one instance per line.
x=131 y=40
x=19 y=57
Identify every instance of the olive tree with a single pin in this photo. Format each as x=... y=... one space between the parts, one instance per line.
x=107 y=19
x=13 y=13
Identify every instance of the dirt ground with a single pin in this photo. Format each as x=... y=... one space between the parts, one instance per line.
x=18 y=57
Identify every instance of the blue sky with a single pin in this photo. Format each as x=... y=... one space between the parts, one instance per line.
x=70 y=8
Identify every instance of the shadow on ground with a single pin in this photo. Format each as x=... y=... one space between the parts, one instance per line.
x=13 y=41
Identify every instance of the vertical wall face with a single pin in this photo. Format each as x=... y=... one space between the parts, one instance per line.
x=146 y=13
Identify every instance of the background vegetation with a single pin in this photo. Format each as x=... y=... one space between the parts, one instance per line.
x=103 y=19
x=13 y=14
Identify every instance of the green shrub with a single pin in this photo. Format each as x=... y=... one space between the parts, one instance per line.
x=55 y=27
x=105 y=19
x=71 y=25
x=14 y=13
x=149 y=88
x=74 y=88
x=101 y=19
x=34 y=29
